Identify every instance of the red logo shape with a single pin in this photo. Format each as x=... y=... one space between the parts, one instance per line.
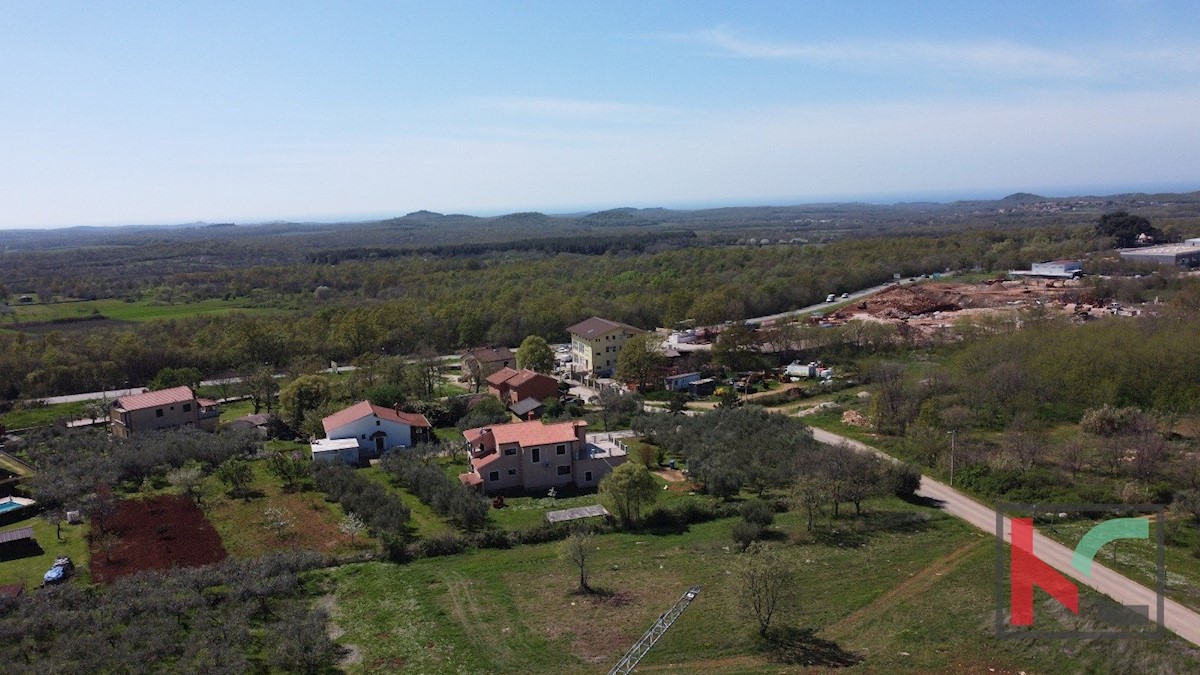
x=1028 y=571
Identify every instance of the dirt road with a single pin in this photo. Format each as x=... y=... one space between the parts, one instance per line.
x=1177 y=618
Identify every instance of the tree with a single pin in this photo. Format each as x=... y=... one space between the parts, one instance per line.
x=278 y=520
x=237 y=474
x=628 y=489
x=616 y=406
x=352 y=526
x=1124 y=228
x=305 y=393
x=261 y=385
x=640 y=361
x=578 y=548
x=176 y=377
x=189 y=480
x=291 y=471
x=811 y=492
x=1072 y=455
x=766 y=584
x=535 y=354
x=1187 y=502
x=677 y=403
x=737 y=348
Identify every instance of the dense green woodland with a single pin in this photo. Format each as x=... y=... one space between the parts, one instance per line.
x=398 y=305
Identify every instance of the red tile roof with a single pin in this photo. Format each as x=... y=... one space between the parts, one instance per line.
x=528 y=434
x=500 y=376
x=492 y=354
x=364 y=408
x=156 y=399
x=526 y=375
x=470 y=478
x=595 y=327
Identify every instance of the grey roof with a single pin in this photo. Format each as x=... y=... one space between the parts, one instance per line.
x=576 y=513
x=525 y=406
x=16 y=535
x=595 y=326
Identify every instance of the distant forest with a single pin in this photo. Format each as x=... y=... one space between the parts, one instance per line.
x=325 y=292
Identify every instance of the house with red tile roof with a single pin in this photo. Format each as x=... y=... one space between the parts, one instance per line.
x=377 y=428
x=162 y=409
x=512 y=386
x=525 y=456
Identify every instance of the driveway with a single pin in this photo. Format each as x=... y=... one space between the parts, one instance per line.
x=1177 y=618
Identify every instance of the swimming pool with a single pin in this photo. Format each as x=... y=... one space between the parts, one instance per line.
x=14 y=503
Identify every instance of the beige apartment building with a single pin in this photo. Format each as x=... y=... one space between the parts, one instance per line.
x=595 y=344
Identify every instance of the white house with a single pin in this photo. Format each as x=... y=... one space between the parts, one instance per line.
x=377 y=428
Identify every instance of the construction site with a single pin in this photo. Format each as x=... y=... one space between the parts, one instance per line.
x=928 y=307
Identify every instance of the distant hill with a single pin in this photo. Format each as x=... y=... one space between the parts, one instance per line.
x=1023 y=198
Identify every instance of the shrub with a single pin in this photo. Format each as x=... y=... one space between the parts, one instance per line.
x=746 y=533
x=758 y=512
x=904 y=479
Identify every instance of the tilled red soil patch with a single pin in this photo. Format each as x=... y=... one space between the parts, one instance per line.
x=160 y=533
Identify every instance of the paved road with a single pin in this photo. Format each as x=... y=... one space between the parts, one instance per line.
x=821 y=305
x=1179 y=619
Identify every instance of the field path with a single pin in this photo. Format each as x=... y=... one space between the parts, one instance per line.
x=915 y=585
x=1178 y=619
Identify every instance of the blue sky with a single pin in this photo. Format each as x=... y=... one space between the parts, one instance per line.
x=115 y=112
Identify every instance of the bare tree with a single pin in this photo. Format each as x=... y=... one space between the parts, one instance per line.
x=1072 y=455
x=578 y=548
x=766 y=586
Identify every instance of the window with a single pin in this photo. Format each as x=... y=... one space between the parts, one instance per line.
x=510 y=451
x=187 y=407
x=512 y=472
x=535 y=455
x=158 y=412
x=564 y=470
x=587 y=476
x=494 y=476
x=560 y=450
x=376 y=422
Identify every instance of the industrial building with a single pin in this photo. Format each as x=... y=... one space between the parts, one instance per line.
x=1185 y=255
x=1055 y=269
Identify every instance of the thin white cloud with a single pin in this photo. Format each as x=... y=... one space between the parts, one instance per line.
x=566 y=107
x=991 y=58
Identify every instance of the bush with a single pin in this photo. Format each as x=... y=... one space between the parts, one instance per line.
x=904 y=479
x=746 y=533
x=457 y=502
x=370 y=501
x=758 y=512
x=438 y=545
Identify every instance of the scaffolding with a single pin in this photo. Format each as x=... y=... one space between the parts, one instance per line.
x=643 y=645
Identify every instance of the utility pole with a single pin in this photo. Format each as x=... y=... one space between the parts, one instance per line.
x=952 y=433
x=643 y=645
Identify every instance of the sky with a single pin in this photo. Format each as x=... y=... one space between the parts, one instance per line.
x=171 y=112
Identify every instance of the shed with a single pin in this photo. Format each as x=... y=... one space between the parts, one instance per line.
x=333 y=449
x=702 y=388
x=527 y=408
x=680 y=382
x=17 y=535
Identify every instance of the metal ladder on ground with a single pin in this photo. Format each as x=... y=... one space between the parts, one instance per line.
x=643 y=645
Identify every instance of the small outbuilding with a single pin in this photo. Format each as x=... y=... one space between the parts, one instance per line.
x=335 y=449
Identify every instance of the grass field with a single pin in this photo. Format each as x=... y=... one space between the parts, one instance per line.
x=142 y=310
x=39 y=416
x=916 y=596
x=29 y=570
x=240 y=522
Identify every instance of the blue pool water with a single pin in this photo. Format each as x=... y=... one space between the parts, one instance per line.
x=9 y=506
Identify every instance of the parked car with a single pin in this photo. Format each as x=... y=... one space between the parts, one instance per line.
x=845 y=296
x=59 y=572
x=830 y=298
